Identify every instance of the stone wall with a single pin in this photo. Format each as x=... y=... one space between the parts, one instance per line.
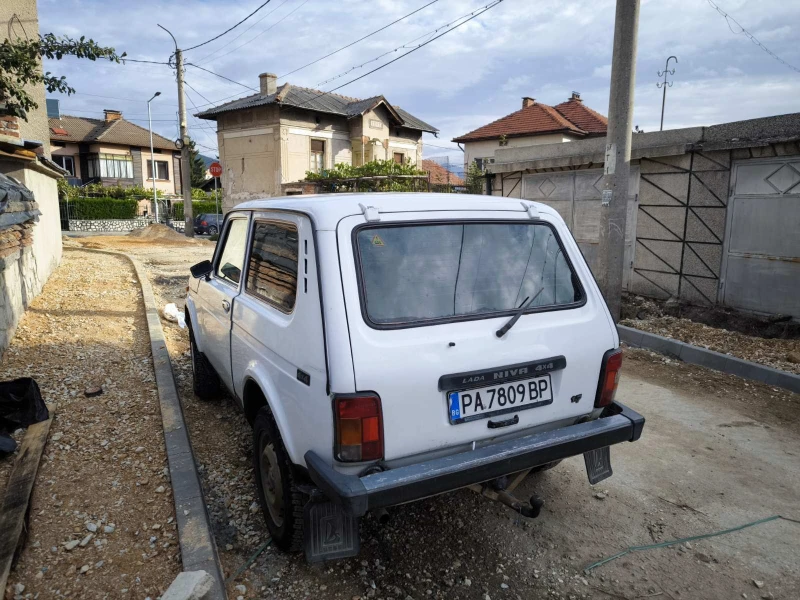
x=110 y=225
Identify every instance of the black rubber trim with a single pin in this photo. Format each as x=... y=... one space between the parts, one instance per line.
x=428 y=478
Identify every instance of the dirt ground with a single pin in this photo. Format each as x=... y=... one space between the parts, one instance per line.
x=101 y=522
x=717 y=452
x=774 y=342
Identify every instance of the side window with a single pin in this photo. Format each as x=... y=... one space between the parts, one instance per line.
x=272 y=274
x=231 y=259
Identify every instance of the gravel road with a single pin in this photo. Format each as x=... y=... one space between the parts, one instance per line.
x=102 y=517
x=717 y=452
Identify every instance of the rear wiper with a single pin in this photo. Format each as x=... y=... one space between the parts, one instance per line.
x=520 y=309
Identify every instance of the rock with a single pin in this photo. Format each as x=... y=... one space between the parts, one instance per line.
x=702 y=557
x=758 y=584
x=254 y=507
x=793 y=357
x=109 y=529
x=139 y=450
x=160 y=489
x=86 y=540
x=71 y=545
x=467 y=582
x=767 y=596
x=93 y=390
x=189 y=585
x=56 y=436
x=688 y=545
x=84 y=568
x=91 y=527
x=601 y=495
x=18 y=588
x=504 y=586
x=242 y=589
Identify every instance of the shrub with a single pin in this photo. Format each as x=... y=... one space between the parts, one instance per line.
x=100 y=208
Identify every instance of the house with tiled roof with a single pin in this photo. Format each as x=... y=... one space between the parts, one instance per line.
x=113 y=151
x=269 y=140
x=534 y=124
x=439 y=175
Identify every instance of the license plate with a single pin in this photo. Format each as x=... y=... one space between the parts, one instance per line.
x=598 y=464
x=480 y=403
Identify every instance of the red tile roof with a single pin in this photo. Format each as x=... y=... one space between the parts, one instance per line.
x=439 y=175
x=538 y=119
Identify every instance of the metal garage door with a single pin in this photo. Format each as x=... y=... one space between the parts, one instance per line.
x=761 y=264
x=576 y=196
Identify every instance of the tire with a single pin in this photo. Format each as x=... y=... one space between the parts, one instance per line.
x=205 y=380
x=212 y=230
x=276 y=485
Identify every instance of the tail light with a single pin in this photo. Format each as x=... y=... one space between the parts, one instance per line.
x=359 y=427
x=609 y=378
x=204 y=223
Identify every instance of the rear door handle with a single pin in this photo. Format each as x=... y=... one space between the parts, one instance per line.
x=226 y=306
x=498 y=424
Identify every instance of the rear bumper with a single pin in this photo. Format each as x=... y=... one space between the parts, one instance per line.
x=357 y=495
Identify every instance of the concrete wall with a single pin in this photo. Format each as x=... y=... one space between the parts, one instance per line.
x=108 y=224
x=166 y=186
x=249 y=150
x=18 y=19
x=298 y=128
x=24 y=270
x=486 y=148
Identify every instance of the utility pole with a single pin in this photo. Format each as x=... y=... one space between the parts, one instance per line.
x=152 y=159
x=614 y=203
x=665 y=84
x=186 y=177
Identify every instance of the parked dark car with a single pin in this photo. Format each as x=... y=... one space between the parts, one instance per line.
x=207 y=223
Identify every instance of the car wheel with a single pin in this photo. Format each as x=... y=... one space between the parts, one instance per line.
x=212 y=230
x=205 y=380
x=281 y=501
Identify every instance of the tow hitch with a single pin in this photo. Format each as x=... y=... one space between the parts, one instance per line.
x=500 y=490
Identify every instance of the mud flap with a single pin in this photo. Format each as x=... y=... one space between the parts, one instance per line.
x=598 y=464
x=329 y=532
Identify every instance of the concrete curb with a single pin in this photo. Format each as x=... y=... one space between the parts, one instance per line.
x=709 y=359
x=198 y=547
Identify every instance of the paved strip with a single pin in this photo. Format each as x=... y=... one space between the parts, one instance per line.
x=198 y=547
x=709 y=359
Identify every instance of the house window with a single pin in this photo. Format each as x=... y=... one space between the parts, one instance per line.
x=65 y=162
x=115 y=166
x=399 y=158
x=317 y=156
x=162 y=170
x=482 y=163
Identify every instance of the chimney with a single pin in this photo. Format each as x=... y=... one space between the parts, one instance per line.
x=576 y=96
x=528 y=101
x=112 y=115
x=269 y=83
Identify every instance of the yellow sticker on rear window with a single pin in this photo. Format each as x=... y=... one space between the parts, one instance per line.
x=377 y=241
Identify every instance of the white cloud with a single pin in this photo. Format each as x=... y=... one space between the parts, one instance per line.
x=604 y=71
x=463 y=80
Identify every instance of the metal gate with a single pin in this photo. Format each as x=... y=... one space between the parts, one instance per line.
x=576 y=197
x=761 y=262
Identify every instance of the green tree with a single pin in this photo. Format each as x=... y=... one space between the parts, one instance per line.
x=476 y=182
x=20 y=66
x=198 y=167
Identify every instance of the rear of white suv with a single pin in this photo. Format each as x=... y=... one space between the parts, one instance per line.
x=481 y=346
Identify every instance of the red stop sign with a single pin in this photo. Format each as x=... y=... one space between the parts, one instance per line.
x=215 y=169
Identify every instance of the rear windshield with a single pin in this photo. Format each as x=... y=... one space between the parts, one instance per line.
x=419 y=273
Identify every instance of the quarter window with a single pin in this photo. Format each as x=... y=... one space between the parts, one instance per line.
x=272 y=275
x=231 y=259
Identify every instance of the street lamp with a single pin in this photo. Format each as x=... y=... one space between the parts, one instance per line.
x=152 y=160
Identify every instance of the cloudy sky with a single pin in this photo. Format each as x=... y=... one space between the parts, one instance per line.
x=477 y=73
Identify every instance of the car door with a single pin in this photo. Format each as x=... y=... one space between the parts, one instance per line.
x=217 y=295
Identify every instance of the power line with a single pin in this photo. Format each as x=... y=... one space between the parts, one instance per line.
x=474 y=15
x=447 y=26
x=151 y=62
x=229 y=28
x=213 y=52
x=289 y=14
x=729 y=19
x=358 y=40
x=118 y=98
x=196 y=92
x=221 y=76
x=143 y=115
